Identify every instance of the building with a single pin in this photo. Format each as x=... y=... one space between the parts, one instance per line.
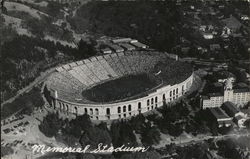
x=231 y=109
x=248 y=76
x=208 y=36
x=223 y=80
x=172 y=56
x=122 y=40
x=127 y=46
x=238 y=117
x=106 y=51
x=226 y=32
x=214 y=47
x=185 y=49
x=116 y=48
x=238 y=96
x=244 y=17
x=66 y=84
x=139 y=45
x=220 y=117
x=240 y=120
x=232 y=23
x=122 y=109
x=133 y=41
x=212 y=100
x=203 y=28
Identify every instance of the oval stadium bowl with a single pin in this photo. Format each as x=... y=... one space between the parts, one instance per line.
x=118 y=85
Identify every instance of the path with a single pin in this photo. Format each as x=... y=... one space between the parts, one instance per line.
x=193 y=140
x=38 y=80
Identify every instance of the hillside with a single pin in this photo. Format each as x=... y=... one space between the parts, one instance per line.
x=35 y=36
x=164 y=26
x=43 y=20
x=156 y=24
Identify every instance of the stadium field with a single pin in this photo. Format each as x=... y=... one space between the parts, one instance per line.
x=121 y=88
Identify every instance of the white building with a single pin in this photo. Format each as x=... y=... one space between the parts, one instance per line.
x=208 y=36
x=239 y=120
x=237 y=96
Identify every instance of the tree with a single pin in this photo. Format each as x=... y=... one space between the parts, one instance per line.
x=50 y=125
x=103 y=126
x=175 y=129
x=122 y=133
x=85 y=49
x=54 y=9
x=214 y=128
x=137 y=122
x=34 y=26
x=5 y=150
x=79 y=125
x=94 y=136
x=151 y=135
x=247 y=124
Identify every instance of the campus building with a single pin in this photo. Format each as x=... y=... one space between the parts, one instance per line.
x=220 y=117
x=239 y=96
x=233 y=111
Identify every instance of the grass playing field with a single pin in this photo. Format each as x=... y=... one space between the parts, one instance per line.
x=121 y=88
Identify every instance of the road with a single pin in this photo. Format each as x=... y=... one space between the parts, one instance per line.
x=38 y=80
x=198 y=140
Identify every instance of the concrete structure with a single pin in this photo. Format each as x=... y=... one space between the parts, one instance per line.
x=239 y=96
x=67 y=84
x=127 y=108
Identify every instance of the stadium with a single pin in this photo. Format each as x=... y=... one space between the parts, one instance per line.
x=118 y=85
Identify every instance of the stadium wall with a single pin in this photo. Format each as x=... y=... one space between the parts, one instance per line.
x=125 y=109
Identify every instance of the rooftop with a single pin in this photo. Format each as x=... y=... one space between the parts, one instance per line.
x=241 y=90
x=242 y=85
x=106 y=50
x=205 y=97
x=127 y=46
x=232 y=22
x=216 y=94
x=121 y=40
x=238 y=117
x=115 y=47
x=214 y=46
x=218 y=113
x=138 y=44
x=230 y=108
